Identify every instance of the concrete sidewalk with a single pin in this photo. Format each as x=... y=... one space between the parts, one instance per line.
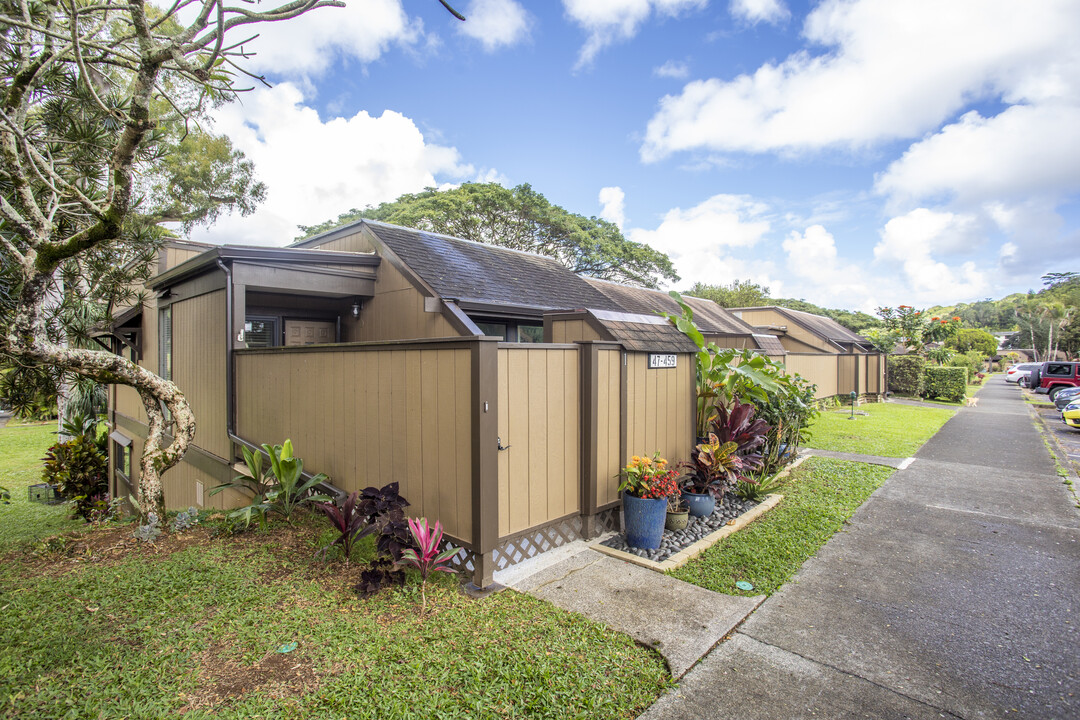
x=954 y=592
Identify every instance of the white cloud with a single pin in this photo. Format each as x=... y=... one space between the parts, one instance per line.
x=711 y=242
x=316 y=169
x=609 y=21
x=1025 y=150
x=755 y=11
x=495 y=23
x=672 y=69
x=910 y=242
x=613 y=209
x=308 y=45
x=889 y=70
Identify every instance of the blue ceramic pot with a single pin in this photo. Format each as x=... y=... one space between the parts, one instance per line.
x=701 y=505
x=644 y=521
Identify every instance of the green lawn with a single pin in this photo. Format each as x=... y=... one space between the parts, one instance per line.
x=105 y=627
x=21 y=450
x=886 y=430
x=819 y=496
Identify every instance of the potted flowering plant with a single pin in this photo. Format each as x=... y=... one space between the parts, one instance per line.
x=647 y=483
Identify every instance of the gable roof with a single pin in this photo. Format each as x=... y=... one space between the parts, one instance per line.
x=825 y=328
x=477 y=273
x=710 y=318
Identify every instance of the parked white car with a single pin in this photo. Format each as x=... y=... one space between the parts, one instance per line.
x=1020 y=370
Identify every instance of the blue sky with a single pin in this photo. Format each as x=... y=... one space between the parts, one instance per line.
x=853 y=153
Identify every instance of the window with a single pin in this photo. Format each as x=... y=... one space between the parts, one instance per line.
x=123 y=459
x=493 y=329
x=165 y=333
x=1059 y=369
x=261 y=331
x=531 y=333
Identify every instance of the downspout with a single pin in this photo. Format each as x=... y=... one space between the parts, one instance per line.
x=230 y=367
x=230 y=382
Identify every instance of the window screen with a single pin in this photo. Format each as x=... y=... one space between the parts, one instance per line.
x=261 y=332
x=531 y=333
x=165 y=366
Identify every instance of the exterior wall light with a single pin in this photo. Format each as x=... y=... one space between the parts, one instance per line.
x=356 y=308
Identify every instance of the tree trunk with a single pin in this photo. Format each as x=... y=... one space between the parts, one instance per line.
x=28 y=340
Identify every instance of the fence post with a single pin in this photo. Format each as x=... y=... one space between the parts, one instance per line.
x=589 y=354
x=485 y=452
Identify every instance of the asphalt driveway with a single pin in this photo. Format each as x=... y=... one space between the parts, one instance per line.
x=954 y=592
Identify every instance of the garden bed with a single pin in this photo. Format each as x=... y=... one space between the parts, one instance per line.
x=679 y=547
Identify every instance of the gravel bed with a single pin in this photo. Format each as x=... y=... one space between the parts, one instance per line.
x=730 y=508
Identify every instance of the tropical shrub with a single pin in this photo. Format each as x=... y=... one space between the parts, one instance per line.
x=973 y=361
x=350 y=523
x=280 y=489
x=648 y=478
x=789 y=414
x=906 y=375
x=80 y=471
x=723 y=374
x=712 y=468
x=756 y=486
x=383 y=510
x=426 y=557
x=946 y=383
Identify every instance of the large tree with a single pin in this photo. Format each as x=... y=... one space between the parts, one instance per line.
x=522 y=219
x=100 y=142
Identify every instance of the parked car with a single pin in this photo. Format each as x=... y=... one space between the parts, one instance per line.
x=1018 y=371
x=1052 y=377
x=1071 y=414
x=1066 y=396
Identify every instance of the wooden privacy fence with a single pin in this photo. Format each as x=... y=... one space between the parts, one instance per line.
x=513 y=447
x=839 y=374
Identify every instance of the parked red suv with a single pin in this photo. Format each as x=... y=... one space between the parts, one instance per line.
x=1050 y=377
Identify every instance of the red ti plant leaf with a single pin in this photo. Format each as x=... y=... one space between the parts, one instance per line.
x=427 y=559
x=348 y=520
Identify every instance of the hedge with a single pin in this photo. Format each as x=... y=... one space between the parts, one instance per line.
x=946 y=383
x=906 y=375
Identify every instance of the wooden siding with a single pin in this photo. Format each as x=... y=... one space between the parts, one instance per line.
x=370 y=416
x=396 y=312
x=199 y=366
x=608 y=426
x=797 y=339
x=739 y=342
x=568 y=331
x=539 y=418
x=818 y=368
x=173 y=256
x=659 y=408
x=846 y=367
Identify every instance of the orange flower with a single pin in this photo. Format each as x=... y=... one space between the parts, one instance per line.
x=956 y=319
x=935 y=318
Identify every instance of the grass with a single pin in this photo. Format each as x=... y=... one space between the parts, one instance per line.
x=819 y=496
x=21 y=450
x=103 y=626
x=886 y=430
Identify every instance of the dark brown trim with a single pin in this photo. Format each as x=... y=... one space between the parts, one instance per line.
x=292 y=256
x=458 y=319
x=448 y=343
x=485 y=429
x=623 y=410
x=590 y=396
x=532 y=346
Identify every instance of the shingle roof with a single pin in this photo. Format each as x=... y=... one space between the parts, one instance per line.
x=474 y=272
x=769 y=344
x=823 y=327
x=710 y=318
x=645 y=334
